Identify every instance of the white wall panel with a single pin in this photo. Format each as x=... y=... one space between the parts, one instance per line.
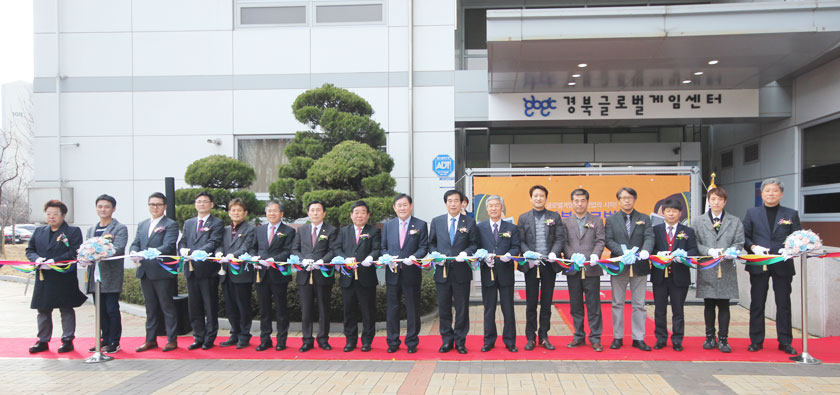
x=94 y=158
x=398 y=12
x=434 y=12
x=156 y=157
x=182 y=15
x=45 y=105
x=265 y=112
x=84 y=16
x=429 y=145
x=817 y=93
x=428 y=198
x=84 y=202
x=95 y=114
x=398 y=149
x=777 y=153
x=397 y=110
x=183 y=53
x=434 y=109
x=95 y=54
x=271 y=51
x=398 y=49
x=183 y=112
x=44 y=52
x=349 y=49
x=434 y=48
x=46 y=158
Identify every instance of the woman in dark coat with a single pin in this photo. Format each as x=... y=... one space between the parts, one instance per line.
x=55 y=242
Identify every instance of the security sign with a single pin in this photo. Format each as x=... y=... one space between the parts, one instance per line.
x=443 y=165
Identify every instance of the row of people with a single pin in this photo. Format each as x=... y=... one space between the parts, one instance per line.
x=541 y=233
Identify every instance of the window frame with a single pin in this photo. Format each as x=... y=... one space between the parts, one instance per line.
x=316 y=4
x=255 y=4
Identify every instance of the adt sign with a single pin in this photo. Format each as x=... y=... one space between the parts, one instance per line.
x=443 y=165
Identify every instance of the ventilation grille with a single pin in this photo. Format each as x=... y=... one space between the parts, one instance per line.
x=726 y=159
x=751 y=153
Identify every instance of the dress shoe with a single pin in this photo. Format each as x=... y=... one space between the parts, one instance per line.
x=305 y=347
x=231 y=341
x=512 y=348
x=349 y=347
x=39 y=347
x=530 y=345
x=660 y=344
x=111 y=348
x=597 y=347
x=710 y=343
x=206 y=346
x=194 y=346
x=786 y=348
x=723 y=346
x=678 y=347
x=640 y=344
x=263 y=346
x=445 y=348
x=547 y=344
x=487 y=347
x=754 y=347
x=241 y=345
x=393 y=349
x=325 y=346
x=146 y=346
x=412 y=349
x=616 y=344
x=577 y=343
x=169 y=346
x=279 y=347
x=461 y=349
x=365 y=347
x=66 y=346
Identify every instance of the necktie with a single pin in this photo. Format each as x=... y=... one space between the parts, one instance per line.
x=200 y=225
x=403 y=226
x=628 y=224
x=271 y=234
x=670 y=238
x=496 y=232
x=314 y=235
x=358 y=232
x=452 y=231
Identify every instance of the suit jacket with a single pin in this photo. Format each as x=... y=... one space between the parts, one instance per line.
x=416 y=244
x=680 y=272
x=466 y=239
x=369 y=245
x=242 y=243
x=591 y=241
x=57 y=289
x=280 y=249
x=731 y=234
x=323 y=250
x=758 y=232
x=207 y=239
x=555 y=236
x=163 y=238
x=503 y=271
x=641 y=235
x=111 y=271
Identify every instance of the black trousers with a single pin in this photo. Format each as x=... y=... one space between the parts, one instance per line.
x=238 y=307
x=451 y=294
x=160 y=308
x=110 y=321
x=490 y=296
x=309 y=294
x=359 y=300
x=538 y=291
x=759 y=285
x=709 y=306
x=589 y=287
x=663 y=295
x=204 y=308
x=268 y=292
x=393 y=295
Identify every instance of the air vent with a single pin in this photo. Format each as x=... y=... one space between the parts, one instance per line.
x=726 y=159
x=751 y=153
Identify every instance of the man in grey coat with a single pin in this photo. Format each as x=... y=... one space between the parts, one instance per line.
x=110 y=273
x=626 y=229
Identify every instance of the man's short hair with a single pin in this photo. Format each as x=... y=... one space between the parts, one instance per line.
x=629 y=190
x=206 y=194
x=157 y=195
x=671 y=203
x=540 y=187
x=323 y=207
x=453 y=192
x=719 y=192
x=274 y=202
x=495 y=197
x=404 y=195
x=57 y=204
x=360 y=203
x=578 y=192
x=237 y=202
x=776 y=181
x=107 y=198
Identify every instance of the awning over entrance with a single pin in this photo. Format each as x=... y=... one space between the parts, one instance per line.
x=712 y=46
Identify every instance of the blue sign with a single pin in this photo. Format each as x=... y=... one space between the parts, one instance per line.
x=443 y=165
x=543 y=106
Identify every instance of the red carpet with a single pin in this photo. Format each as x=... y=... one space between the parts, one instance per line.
x=606 y=295
x=827 y=349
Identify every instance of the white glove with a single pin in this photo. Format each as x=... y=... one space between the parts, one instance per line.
x=532 y=263
x=185 y=252
x=644 y=255
x=759 y=250
x=368 y=261
x=783 y=252
x=593 y=259
x=135 y=258
x=45 y=267
x=715 y=252
x=412 y=258
x=218 y=254
x=319 y=263
x=349 y=261
x=393 y=266
x=489 y=259
x=505 y=257
x=663 y=254
x=461 y=257
x=39 y=260
x=490 y=262
x=49 y=261
x=226 y=259
x=552 y=256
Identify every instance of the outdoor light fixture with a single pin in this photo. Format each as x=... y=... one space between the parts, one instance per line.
x=582 y=65
x=698 y=73
x=572 y=83
x=713 y=61
x=575 y=75
x=686 y=81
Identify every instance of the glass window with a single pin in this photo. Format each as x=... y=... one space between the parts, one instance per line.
x=821 y=164
x=823 y=203
x=475 y=28
x=265 y=155
x=286 y=15
x=351 y=13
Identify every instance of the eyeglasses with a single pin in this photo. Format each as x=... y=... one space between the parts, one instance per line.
x=157 y=204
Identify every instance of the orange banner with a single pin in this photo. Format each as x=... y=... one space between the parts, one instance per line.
x=653 y=190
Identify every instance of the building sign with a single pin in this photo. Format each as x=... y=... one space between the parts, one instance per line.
x=443 y=165
x=723 y=103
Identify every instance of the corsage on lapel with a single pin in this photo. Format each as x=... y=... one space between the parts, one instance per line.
x=62 y=238
x=463 y=229
x=364 y=236
x=588 y=225
x=280 y=235
x=642 y=222
x=322 y=237
x=413 y=231
x=785 y=221
x=549 y=222
x=204 y=229
x=505 y=234
x=682 y=236
x=717 y=224
x=159 y=229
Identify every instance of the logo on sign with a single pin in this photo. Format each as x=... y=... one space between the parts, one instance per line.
x=543 y=106
x=443 y=165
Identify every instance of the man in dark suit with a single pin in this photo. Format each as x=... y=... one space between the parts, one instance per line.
x=453 y=235
x=203 y=233
x=540 y=232
x=237 y=283
x=404 y=237
x=629 y=228
x=273 y=242
x=585 y=236
x=359 y=242
x=159 y=285
x=765 y=230
x=500 y=239
x=314 y=243
x=670 y=285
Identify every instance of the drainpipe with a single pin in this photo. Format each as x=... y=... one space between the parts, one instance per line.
x=411 y=97
x=58 y=87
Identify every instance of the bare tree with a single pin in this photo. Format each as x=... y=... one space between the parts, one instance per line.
x=15 y=153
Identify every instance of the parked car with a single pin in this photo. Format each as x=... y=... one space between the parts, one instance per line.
x=21 y=235
x=10 y=237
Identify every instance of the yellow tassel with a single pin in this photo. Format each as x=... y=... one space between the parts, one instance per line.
x=582 y=273
x=41 y=274
x=631 y=270
x=310 y=278
x=258 y=276
x=86 y=276
x=764 y=268
x=191 y=267
x=492 y=277
x=719 y=273
x=538 y=272
x=666 y=272
x=356 y=273
x=444 y=270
